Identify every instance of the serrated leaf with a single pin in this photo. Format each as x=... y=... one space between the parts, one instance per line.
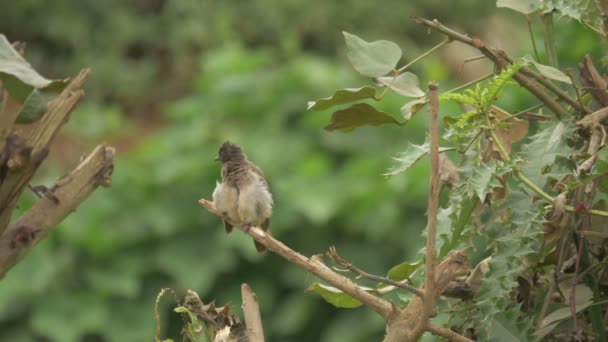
x=409 y=109
x=357 y=115
x=371 y=59
x=503 y=331
x=18 y=76
x=482 y=179
x=410 y=156
x=551 y=72
x=460 y=98
x=406 y=84
x=544 y=148
x=343 y=96
x=495 y=86
x=336 y=297
x=404 y=270
x=521 y=6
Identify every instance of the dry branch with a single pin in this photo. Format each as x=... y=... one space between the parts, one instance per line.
x=502 y=60
x=251 y=312
x=61 y=199
x=593 y=81
x=20 y=156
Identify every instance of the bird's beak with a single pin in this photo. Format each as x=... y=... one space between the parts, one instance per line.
x=217 y=158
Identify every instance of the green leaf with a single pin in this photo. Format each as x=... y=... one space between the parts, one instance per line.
x=495 y=86
x=404 y=270
x=551 y=72
x=406 y=84
x=409 y=109
x=196 y=330
x=336 y=297
x=521 y=6
x=18 y=76
x=543 y=149
x=358 y=115
x=342 y=96
x=34 y=106
x=412 y=154
x=482 y=179
x=460 y=98
x=371 y=59
x=563 y=313
x=502 y=330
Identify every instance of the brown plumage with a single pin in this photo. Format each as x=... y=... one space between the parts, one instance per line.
x=243 y=196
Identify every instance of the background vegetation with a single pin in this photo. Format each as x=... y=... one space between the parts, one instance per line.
x=174 y=79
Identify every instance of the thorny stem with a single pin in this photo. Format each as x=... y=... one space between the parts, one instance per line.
x=403 y=68
x=532 y=186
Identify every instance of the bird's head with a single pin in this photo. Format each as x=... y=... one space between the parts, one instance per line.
x=231 y=152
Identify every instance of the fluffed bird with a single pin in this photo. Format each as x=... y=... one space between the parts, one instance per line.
x=243 y=196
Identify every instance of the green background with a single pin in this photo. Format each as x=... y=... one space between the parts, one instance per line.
x=171 y=81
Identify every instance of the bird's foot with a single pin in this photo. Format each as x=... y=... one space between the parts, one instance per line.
x=247 y=227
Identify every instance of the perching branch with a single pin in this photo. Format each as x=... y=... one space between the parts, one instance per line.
x=313 y=265
x=399 y=322
x=61 y=199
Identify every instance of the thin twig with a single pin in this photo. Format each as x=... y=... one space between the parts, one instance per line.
x=403 y=68
x=500 y=59
x=335 y=257
x=447 y=333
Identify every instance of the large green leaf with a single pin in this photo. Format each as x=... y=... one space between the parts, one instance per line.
x=343 y=96
x=18 y=76
x=357 y=115
x=24 y=84
x=371 y=59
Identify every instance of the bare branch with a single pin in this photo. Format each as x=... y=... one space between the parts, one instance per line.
x=67 y=194
x=501 y=60
x=251 y=311
x=19 y=161
x=593 y=81
x=447 y=333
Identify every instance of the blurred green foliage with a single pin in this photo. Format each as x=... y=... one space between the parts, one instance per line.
x=217 y=71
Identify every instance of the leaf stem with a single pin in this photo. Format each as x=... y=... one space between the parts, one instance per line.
x=468 y=84
x=549 y=43
x=536 y=55
x=403 y=68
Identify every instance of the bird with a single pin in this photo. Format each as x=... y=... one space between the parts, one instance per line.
x=243 y=196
